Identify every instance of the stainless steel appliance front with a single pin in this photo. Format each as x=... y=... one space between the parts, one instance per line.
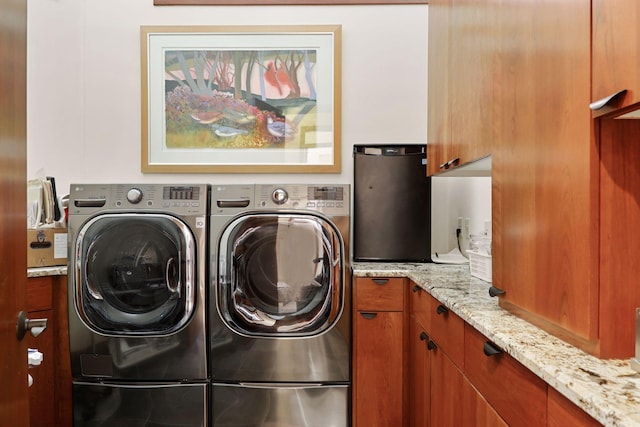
x=137 y=298
x=280 y=327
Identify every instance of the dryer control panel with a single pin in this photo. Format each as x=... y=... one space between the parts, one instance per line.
x=329 y=199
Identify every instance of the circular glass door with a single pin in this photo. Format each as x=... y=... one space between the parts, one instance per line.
x=280 y=275
x=135 y=274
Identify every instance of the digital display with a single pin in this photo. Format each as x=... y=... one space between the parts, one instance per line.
x=181 y=193
x=326 y=193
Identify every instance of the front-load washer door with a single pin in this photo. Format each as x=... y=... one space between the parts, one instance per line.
x=135 y=274
x=280 y=274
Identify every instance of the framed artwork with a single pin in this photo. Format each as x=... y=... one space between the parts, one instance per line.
x=241 y=99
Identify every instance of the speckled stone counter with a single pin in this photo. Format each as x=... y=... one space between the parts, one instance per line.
x=60 y=270
x=608 y=390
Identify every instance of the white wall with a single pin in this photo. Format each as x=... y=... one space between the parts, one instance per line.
x=84 y=82
x=454 y=197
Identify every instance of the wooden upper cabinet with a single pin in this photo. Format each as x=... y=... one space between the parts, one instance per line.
x=438 y=116
x=545 y=192
x=462 y=79
x=472 y=65
x=616 y=55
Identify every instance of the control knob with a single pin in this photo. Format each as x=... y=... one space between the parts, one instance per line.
x=279 y=196
x=134 y=195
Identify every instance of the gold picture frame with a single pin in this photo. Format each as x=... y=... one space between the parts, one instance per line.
x=241 y=99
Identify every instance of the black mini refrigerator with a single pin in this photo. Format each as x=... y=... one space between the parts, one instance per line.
x=391 y=203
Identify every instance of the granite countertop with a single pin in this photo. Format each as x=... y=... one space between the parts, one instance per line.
x=608 y=390
x=59 y=270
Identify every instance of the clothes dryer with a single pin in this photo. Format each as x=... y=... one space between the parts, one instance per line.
x=280 y=315
x=137 y=304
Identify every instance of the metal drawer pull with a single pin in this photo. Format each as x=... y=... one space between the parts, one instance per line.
x=416 y=288
x=596 y=105
x=490 y=349
x=380 y=281
x=442 y=309
x=452 y=162
x=423 y=336
x=368 y=316
x=494 y=292
x=431 y=345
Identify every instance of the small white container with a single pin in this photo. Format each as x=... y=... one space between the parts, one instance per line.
x=480 y=265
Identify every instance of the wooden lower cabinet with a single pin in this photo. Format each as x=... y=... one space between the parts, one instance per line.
x=477 y=411
x=562 y=412
x=42 y=409
x=446 y=389
x=455 y=375
x=50 y=395
x=420 y=375
x=379 y=352
x=519 y=396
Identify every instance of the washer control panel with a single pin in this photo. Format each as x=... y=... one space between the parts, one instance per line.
x=180 y=199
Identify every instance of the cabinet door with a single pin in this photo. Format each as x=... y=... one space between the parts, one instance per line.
x=545 y=170
x=447 y=330
x=516 y=393
x=619 y=235
x=472 y=87
x=446 y=389
x=476 y=410
x=420 y=306
x=419 y=376
x=438 y=115
x=378 y=368
x=616 y=52
x=562 y=412
x=42 y=397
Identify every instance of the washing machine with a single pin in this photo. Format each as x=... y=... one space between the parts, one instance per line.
x=280 y=314
x=137 y=304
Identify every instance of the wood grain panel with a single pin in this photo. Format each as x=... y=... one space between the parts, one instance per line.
x=545 y=198
x=516 y=393
x=63 y=376
x=472 y=65
x=447 y=330
x=476 y=410
x=378 y=369
x=446 y=390
x=619 y=236
x=380 y=294
x=39 y=294
x=562 y=412
x=14 y=399
x=420 y=306
x=420 y=376
x=438 y=113
x=616 y=51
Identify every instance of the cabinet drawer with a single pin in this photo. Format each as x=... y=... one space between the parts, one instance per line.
x=420 y=308
x=39 y=293
x=447 y=330
x=518 y=396
x=380 y=293
x=562 y=412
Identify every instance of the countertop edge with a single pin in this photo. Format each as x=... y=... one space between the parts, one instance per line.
x=58 y=270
